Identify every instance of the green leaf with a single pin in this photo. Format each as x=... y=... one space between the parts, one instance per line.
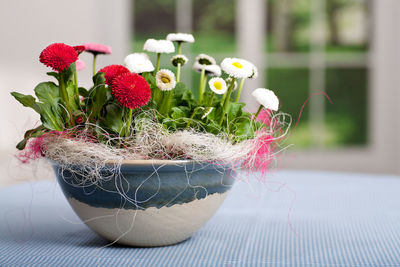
x=207 y=98
x=50 y=116
x=27 y=101
x=51 y=113
x=47 y=92
x=99 y=98
x=234 y=110
x=54 y=74
x=206 y=112
x=180 y=88
x=68 y=74
x=169 y=124
x=213 y=127
x=215 y=114
x=243 y=130
x=71 y=95
x=98 y=95
x=113 y=119
x=177 y=113
x=188 y=100
x=22 y=144
x=187 y=96
x=83 y=92
x=98 y=79
x=38 y=131
x=151 y=80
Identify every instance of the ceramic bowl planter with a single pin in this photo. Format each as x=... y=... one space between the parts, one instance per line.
x=148 y=203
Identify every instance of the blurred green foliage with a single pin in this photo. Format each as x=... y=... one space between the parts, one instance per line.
x=287 y=30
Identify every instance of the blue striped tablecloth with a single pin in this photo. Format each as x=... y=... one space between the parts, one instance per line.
x=293 y=219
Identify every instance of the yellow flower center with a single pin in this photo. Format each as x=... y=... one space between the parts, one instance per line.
x=218 y=85
x=165 y=79
x=237 y=65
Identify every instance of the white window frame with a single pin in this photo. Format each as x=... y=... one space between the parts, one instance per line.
x=381 y=154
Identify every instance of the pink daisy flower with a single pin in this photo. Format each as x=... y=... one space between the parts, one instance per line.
x=96 y=48
x=80 y=65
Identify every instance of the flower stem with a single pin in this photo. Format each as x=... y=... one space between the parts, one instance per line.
x=76 y=87
x=129 y=122
x=211 y=99
x=226 y=102
x=158 y=62
x=258 y=112
x=223 y=98
x=203 y=74
x=178 y=72
x=191 y=119
x=178 y=68
x=179 y=48
x=166 y=103
x=169 y=101
x=64 y=96
x=240 y=89
x=94 y=64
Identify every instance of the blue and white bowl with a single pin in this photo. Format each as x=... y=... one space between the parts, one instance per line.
x=147 y=203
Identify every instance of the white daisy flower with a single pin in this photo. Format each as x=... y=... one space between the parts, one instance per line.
x=213 y=70
x=159 y=46
x=267 y=98
x=197 y=67
x=175 y=60
x=138 y=63
x=237 y=67
x=254 y=75
x=229 y=81
x=165 y=80
x=210 y=70
x=218 y=85
x=204 y=59
x=254 y=69
x=180 y=37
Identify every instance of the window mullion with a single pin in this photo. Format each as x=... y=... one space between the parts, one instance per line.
x=317 y=72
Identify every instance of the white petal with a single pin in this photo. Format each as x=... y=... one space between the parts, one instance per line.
x=267 y=98
x=223 y=89
x=138 y=63
x=207 y=58
x=244 y=71
x=165 y=86
x=159 y=46
x=180 y=37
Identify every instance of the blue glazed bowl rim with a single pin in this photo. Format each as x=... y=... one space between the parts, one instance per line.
x=150 y=162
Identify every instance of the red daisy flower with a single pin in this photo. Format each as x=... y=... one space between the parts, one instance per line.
x=58 y=56
x=113 y=71
x=95 y=48
x=79 y=48
x=131 y=90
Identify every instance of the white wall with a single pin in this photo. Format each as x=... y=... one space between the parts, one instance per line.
x=29 y=26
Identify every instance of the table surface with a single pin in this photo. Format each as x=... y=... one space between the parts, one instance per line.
x=290 y=219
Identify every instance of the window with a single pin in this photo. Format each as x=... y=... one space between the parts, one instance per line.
x=314 y=46
x=303 y=47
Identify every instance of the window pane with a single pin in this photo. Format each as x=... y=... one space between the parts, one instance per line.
x=214 y=26
x=291 y=86
x=346 y=118
x=288 y=25
x=214 y=31
x=347 y=25
x=152 y=19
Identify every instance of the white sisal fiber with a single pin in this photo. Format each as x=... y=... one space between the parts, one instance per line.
x=150 y=140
